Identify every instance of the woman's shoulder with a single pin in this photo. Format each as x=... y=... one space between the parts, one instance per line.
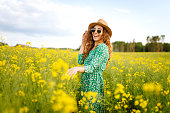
x=102 y=46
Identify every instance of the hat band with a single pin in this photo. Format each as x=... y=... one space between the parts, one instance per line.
x=101 y=23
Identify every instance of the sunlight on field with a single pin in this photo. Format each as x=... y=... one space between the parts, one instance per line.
x=34 y=80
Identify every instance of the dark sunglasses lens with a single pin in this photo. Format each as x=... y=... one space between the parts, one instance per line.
x=92 y=30
x=98 y=31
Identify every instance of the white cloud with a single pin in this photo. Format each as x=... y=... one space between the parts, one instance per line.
x=121 y=10
x=41 y=17
x=44 y=18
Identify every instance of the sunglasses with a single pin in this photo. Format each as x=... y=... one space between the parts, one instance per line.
x=93 y=30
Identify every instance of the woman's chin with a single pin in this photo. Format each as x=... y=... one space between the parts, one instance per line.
x=95 y=39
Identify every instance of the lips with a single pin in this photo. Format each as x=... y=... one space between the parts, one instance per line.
x=96 y=36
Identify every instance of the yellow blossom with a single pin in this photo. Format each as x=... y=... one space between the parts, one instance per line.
x=143 y=104
x=34 y=100
x=136 y=103
x=21 y=93
x=51 y=84
x=148 y=87
x=125 y=106
x=117 y=107
x=2 y=63
x=120 y=86
x=86 y=107
x=54 y=74
x=63 y=102
x=108 y=92
x=92 y=111
x=166 y=92
x=159 y=105
x=23 y=109
x=60 y=66
x=137 y=111
x=41 y=83
x=156 y=109
x=42 y=60
x=168 y=79
x=57 y=106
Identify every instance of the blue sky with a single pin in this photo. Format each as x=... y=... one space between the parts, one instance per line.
x=61 y=23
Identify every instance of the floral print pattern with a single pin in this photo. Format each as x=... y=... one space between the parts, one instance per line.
x=92 y=79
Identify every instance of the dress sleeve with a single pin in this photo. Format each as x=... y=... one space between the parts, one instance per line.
x=80 y=59
x=101 y=54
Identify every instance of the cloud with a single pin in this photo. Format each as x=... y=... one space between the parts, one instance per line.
x=122 y=10
x=42 y=17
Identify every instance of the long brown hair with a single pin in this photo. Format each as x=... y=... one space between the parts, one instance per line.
x=105 y=38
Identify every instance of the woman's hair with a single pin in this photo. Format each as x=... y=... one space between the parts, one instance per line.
x=105 y=38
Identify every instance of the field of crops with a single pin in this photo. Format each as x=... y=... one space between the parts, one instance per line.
x=33 y=80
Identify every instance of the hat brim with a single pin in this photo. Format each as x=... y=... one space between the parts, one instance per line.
x=106 y=27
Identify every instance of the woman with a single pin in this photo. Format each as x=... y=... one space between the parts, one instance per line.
x=94 y=53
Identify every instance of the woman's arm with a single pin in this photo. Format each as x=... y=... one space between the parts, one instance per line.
x=74 y=70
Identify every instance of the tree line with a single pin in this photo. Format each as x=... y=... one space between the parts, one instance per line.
x=154 y=44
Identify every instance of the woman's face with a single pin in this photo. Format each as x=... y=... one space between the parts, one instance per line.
x=97 y=33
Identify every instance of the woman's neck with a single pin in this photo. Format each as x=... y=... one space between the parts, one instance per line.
x=97 y=43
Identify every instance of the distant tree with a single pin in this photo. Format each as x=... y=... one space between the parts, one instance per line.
x=148 y=39
x=162 y=38
x=118 y=46
x=2 y=44
x=138 y=47
x=153 y=44
x=166 y=47
x=127 y=47
x=155 y=39
x=132 y=46
x=115 y=46
x=121 y=46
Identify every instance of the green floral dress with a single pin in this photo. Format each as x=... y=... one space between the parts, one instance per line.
x=92 y=79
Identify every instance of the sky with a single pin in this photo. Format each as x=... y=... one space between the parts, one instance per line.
x=61 y=23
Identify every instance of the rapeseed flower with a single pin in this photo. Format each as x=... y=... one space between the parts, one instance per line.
x=2 y=63
x=34 y=100
x=51 y=84
x=60 y=66
x=168 y=79
x=151 y=88
x=54 y=73
x=41 y=83
x=21 y=93
x=63 y=102
x=143 y=104
x=136 y=102
x=36 y=75
x=108 y=93
x=43 y=60
x=23 y=109
x=117 y=96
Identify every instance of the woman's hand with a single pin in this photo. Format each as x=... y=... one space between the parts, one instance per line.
x=74 y=70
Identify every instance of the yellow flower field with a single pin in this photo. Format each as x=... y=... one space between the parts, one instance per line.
x=33 y=80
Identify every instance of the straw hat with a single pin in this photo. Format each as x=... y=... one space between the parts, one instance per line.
x=102 y=23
